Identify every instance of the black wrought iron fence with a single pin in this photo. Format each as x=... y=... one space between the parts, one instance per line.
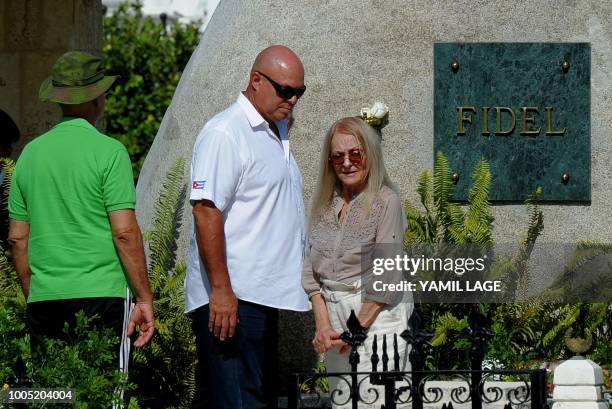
x=387 y=387
x=419 y=389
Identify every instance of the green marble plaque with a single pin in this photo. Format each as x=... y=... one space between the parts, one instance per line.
x=525 y=108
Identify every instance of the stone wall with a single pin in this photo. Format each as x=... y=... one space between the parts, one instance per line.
x=33 y=34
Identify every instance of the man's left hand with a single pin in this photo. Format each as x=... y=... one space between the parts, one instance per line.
x=142 y=316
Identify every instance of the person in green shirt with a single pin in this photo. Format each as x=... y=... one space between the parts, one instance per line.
x=73 y=232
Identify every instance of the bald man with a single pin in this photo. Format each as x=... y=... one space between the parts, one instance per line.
x=245 y=257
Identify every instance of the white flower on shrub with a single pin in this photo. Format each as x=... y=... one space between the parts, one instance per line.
x=375 y=114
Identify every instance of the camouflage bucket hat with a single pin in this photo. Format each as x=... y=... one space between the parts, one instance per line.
x=77 y=77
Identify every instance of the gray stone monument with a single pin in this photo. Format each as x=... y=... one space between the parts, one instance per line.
x=358 y=52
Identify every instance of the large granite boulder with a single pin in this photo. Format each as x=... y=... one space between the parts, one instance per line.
x=358 y=52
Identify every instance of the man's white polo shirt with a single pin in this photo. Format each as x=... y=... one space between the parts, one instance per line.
x=252 y=178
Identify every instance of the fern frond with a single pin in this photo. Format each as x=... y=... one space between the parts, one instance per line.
x=585 y=252
x=8 y=165
x=457 y=217
x=416 y=231
x=478 y=218
x=166 y=224
x=425 y=189
x=444 y=221
x=479 y=205
x=175 y=284
x=536 y=218
x=518 y=277
x=443 y=188
x=446 y=324
x=165 y=369
x=503 y=269
x=597 y=315
x=570 y=314
x=455 y=234
x=10 y=286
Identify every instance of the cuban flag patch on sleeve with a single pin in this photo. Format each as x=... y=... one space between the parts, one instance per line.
x=198 y=184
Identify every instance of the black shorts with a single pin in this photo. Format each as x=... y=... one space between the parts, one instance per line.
x=47 y=319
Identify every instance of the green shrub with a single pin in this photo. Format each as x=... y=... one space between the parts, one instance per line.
x=14 y=340
x=441 y=221
x=524 y=334
x=87 y=364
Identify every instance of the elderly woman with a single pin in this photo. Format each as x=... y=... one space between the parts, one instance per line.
x=356 y=213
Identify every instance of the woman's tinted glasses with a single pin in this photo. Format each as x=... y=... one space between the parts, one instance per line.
x=355 y=157
x=284 y=91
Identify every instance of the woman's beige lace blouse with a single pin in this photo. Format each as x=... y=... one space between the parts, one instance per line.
x=337 y=249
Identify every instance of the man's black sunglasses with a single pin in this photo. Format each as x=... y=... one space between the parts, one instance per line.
x=285 y=91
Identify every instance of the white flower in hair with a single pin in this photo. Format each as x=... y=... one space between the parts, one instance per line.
x=376 y=115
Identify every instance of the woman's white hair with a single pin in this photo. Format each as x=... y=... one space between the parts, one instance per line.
x=375 y=169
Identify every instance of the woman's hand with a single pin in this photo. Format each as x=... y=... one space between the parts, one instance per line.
x=325 y=339
x=367 y=315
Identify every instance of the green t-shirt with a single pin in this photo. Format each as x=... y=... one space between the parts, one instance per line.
x=65 y=183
